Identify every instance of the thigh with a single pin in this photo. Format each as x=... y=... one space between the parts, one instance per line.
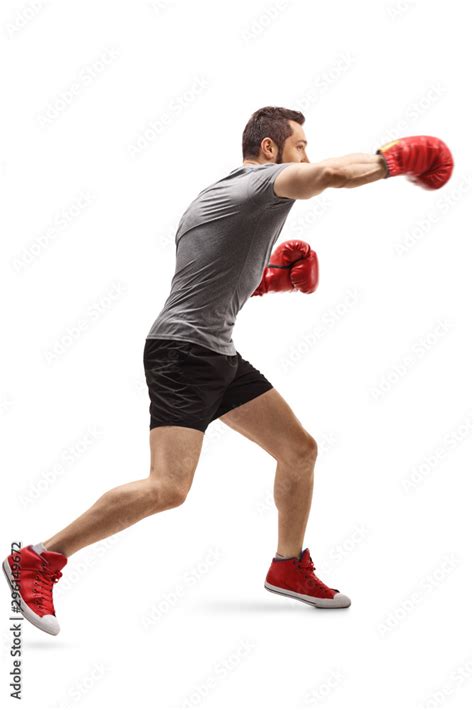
x=271 y=423
x=174 y=455
x=185 y=382
x=246 y=384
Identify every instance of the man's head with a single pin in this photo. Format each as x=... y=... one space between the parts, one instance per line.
x=274 y=135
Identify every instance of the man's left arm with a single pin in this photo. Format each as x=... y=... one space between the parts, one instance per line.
x=293 y=267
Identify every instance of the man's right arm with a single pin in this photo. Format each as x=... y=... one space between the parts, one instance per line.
x=425 y=160
x=301 y=181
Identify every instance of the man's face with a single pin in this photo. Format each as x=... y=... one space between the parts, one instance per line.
x=294 y=148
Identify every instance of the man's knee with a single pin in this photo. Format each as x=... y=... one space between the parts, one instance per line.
x=311 y=447
x=169 y=495
x=301 y=450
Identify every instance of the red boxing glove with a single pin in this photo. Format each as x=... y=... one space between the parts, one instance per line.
x=293 y=267
x=427 y=161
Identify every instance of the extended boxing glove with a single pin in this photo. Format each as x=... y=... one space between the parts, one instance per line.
x=425 y=160
x=293 y=267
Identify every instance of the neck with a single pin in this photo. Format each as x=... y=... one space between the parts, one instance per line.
x=256 y=162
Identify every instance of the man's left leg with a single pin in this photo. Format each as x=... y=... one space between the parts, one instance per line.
x=270 y=422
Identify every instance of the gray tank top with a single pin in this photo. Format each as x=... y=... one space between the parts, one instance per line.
x=223 y=244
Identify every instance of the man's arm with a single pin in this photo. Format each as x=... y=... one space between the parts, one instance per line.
x=304 y=180
x=425 y=160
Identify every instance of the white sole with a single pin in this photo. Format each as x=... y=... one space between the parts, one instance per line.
x=28 y=613
x=340 y=601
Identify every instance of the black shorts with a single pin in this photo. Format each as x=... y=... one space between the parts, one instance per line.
x=190 y=385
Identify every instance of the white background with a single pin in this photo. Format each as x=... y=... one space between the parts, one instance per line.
x=115 y=115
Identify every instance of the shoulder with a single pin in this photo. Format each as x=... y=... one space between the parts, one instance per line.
x=262 y=181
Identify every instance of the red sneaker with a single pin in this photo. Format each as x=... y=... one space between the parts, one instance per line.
x=295 y=578
x=34 y=576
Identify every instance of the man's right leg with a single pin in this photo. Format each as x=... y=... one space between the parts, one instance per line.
x=174 y=452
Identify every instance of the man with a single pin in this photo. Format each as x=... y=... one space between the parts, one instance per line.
x=193 y=371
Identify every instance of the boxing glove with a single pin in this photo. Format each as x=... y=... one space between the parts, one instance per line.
x=293 y=267
x=425 y=160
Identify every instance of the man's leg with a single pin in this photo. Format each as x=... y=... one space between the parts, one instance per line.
x=174 y=452
x=270 y=422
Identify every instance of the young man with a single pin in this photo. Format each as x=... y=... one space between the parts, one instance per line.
x=193 y=371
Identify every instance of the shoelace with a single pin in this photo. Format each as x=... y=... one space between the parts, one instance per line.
x=43 y=587
x=308 y=566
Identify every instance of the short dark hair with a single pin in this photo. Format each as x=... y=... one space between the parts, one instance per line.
x=271 y=122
